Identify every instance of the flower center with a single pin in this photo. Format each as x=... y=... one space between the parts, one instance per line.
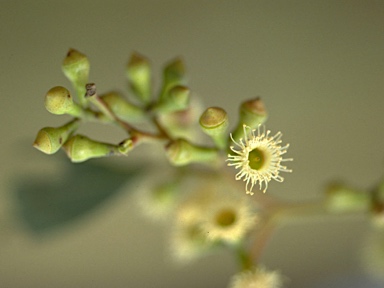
x=225 y=218
x=256 y=159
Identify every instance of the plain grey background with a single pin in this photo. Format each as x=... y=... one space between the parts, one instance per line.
x=318 y=66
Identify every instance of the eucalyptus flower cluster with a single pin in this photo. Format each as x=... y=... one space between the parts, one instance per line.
x=212 y=215
x=259 y=157
x=199 y=203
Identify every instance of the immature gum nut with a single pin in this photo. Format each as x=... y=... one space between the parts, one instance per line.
x=49 y=140
x=180 y=152
x=139 y=75
x=214 y=122
x=80 y=148
x=76 y=68
x=252 y=113
x=59 y=101
x=122 y=108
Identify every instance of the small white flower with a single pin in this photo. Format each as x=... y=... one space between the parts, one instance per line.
x=257 y=278
x=187 y=240
x=229 y=218
x=259 y=158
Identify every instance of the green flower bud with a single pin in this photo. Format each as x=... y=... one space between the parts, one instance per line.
x=80 y=148
x=252 y=113
x=59 y=101
x=139 y=76
x=214 y=122
x=176 y=99
x=343 y=199
x=76 y=68
x=49 y=139
x=122 y=108
x=173 y=74
x=180 y=152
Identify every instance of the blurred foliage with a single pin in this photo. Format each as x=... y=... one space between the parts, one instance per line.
x=47 y=204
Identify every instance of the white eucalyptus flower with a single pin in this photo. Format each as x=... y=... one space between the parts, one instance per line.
x=229 y=218
x=257 y=278
x=259 y=158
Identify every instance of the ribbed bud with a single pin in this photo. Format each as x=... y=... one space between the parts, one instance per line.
x=122 y=108
x=252 y=113
x=59 y=101
x=76 y=68
x=176 y=99
x=49 y=140
x=214 y=122
x=341 y=199
x=80 y=148
x=139 y=76
x=180 y=152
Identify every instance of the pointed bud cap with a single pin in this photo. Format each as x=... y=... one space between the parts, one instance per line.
x=76 y=68
x=59 y=101
x=49 y=140
x=174 y=71
x=139 y=76
x=180 y=152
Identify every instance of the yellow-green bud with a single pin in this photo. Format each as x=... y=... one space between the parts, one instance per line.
x=76 y=68
x=181 y=152
x=343 y=199
x=173 y=74
x=139 y=76
x=80 y=148
x=59 y=101
x=252 y=113
x=176 y=99
x=122 y=108
x=49 y=140
x=214 y=122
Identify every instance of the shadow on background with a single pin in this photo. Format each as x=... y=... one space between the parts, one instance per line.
x=47 y=204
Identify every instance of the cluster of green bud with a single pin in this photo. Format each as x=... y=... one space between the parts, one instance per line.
x=113 y=108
